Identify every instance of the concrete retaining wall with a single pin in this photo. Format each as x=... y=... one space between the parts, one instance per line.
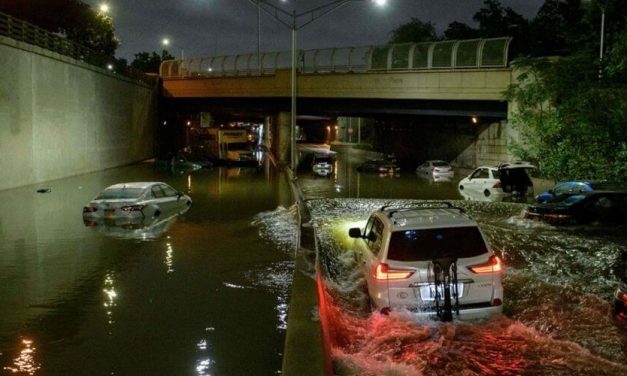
x=60 y=117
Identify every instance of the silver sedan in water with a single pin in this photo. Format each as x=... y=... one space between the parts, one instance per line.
x=134 y=202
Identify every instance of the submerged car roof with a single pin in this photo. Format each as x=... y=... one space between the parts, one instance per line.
x=142 y=185
x=426 y=217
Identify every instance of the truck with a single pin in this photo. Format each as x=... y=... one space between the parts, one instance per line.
x=230 y=144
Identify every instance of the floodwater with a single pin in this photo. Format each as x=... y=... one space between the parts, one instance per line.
x=204 y=294
x=558 y=288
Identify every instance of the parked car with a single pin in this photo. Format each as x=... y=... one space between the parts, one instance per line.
x=608 y=207
x=507 y=179
x=573 y=187
x=322 y=164
x=620 y=299
x=133 y=202
x=436 y=168
x=406 y=253
x=381 y=166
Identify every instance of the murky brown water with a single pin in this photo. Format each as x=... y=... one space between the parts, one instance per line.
x=206 y=297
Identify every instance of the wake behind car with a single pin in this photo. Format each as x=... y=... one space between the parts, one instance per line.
x=506 y=179
x=608 y=207
x=431 y=260
x=133 y=202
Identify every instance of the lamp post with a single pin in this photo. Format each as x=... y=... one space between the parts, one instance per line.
x=291 y=21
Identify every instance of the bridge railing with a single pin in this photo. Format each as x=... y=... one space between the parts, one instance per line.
x=26 y=32
x=453 y=54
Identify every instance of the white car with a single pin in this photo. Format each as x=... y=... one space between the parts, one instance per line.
x=322 y=164
x=430 y=260
x=436 y=169
x=135 y=202
x=507 y=179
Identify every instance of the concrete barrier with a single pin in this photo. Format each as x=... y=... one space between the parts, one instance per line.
x=61 y=117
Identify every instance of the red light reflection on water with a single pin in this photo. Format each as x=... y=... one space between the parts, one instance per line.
x=25 y=362
x=381 y=344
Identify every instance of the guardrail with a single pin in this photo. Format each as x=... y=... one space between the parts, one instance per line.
x=454 y=54
x=26 y=32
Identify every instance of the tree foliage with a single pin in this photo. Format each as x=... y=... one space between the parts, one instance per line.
x=415 y=31
x=570 y=124
x=149 y=62
x=74 y=19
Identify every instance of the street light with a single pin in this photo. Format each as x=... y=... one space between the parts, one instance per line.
x=602 y=4
x=104 y=8
x=290 y=20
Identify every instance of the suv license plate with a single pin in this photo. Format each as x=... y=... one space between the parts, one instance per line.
x=427 y=293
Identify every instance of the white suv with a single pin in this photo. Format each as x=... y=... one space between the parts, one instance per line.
x=431 y=260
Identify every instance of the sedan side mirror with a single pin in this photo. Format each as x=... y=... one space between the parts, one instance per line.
x=354 y=232
x=179 y=194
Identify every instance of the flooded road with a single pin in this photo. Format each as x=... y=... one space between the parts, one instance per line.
x=203 y=295
x=558 y=284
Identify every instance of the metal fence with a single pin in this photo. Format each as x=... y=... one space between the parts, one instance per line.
x=23 y=31
x=454 y=54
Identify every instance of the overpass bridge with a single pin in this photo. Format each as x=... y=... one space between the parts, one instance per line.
x=464 y=78
x=468 y=70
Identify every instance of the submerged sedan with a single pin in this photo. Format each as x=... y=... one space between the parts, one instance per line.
x=608 y=207
x=132 y=202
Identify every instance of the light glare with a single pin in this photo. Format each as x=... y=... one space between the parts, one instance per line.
x=104 y=8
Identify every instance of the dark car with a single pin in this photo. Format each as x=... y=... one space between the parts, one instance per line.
x=379 y=165
x=575 y=186
x=620 y=299
x=608 y=207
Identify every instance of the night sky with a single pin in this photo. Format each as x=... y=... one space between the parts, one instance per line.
x=199 y=28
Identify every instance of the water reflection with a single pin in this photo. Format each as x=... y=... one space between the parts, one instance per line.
x=110 y=297
x=169 y=258
x=144 y=229
x=26 y=362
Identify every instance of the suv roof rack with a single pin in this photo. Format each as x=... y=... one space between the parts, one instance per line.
x=435 y=205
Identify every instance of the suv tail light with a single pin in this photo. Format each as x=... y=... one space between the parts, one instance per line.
x=132 y=208
x=383 y=271
x=89 y=209
x=494 y=264
x=497 y=184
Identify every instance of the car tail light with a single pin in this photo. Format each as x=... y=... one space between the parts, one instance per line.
x=132 y=208
x=383 y=271
x=494 y=264
x=497 y=302
x=89 y=209
x=621 y=296
x=497 y=184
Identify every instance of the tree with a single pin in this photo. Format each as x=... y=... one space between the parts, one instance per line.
x=149 y=62
x=414 y=31
x=616 y=60
x=571 y=125
x=74 y=19
x=458 y=30
x=497 y=21
x=558 y=28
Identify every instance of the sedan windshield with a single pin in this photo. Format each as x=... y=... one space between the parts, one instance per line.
x=120 y=193
x=440 y=164
x=431 y=244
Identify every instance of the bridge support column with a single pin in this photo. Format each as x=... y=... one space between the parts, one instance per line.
x=281 y=139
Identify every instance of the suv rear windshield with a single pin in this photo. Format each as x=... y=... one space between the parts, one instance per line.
x=431 y=244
